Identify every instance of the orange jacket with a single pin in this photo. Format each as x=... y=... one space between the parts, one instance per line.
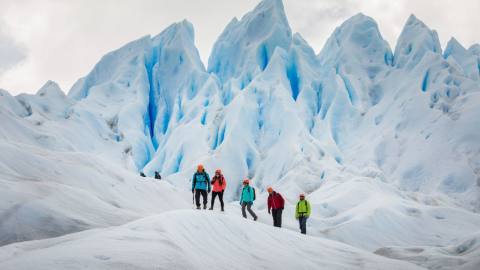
x=216 y=184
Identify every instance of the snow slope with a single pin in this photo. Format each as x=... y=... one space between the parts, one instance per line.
x=190 y=240
x=47 y=193
x=461 y=256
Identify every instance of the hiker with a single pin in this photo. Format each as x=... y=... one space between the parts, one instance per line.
x=302 y=212
x=201 y=185
x=158 y=176
x=219 y=184
x=276 y=203
x=142 y=174
x=246 y=199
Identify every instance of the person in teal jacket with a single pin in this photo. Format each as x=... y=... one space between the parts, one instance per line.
x=200 y=186
x=246 y=199
x=302 y=212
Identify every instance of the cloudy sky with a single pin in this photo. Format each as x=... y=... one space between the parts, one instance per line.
x=62 y=40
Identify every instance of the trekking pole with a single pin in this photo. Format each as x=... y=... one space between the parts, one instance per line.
x=193 y=198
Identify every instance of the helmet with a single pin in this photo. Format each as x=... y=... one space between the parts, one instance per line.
x=302 y=195
x=200 y=167
x=218 y=171
x=269 y=189
x=246 y=181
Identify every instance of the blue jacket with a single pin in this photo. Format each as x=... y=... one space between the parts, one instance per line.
x=247 y=195
x=201 y=180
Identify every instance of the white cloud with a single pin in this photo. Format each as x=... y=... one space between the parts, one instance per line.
x=11 y=52
x=316 y=20
x=64 y=39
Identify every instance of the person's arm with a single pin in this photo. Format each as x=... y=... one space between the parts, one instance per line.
x=269 y=203
x=209 y=187
x=296 y=212
x=241 y=197
x=194 y=180
x=224 y=183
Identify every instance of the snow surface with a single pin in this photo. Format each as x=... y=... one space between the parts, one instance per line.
x=386 y=145
x=190 y=240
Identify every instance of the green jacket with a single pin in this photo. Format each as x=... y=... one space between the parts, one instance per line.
x=303 y=209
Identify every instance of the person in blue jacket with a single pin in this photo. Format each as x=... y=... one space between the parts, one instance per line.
x=246 y=199
x=201 y=186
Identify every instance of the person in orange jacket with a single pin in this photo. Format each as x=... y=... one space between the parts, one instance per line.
x=219 y=184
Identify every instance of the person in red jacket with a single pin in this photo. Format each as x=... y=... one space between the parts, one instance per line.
x=219 y=184
x=276 y=204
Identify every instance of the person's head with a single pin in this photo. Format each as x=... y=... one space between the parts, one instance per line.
x=200 y=168
x=218 y=172
x=270 y=190
x=302 y=196
x=246 y=182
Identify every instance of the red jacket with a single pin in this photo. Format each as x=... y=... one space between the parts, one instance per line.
x=216 y=184
x=275 y=201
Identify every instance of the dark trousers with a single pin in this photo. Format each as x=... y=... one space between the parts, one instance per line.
x=197 y=196
x=249 y=208
x=277 y=217
x=303 y=224
x=220 y=197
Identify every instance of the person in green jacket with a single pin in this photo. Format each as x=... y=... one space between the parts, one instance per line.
x=246 y=199
x=302 y=212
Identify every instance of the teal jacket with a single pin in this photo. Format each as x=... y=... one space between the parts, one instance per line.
x=247 y=195
x=201 y=180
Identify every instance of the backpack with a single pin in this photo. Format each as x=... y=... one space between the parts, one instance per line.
x=254 y=195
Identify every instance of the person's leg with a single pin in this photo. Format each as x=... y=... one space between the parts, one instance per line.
x=244 y=214
x=274 y=216
x=220 y=197
x=303 y=225
x=197 y=197
x=300 y=223
x=249 y=208
x=214 y=194
x=205 y=198
x=279 y=218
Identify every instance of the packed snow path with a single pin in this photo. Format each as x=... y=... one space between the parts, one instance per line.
x=190 y=239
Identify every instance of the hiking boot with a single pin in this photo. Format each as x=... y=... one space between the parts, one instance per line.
x=204 y=206
x=255 y=218
x=211 y=208
x=222 y=209
x=198 y=207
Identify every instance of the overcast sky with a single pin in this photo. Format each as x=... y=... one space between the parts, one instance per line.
x=61 y=40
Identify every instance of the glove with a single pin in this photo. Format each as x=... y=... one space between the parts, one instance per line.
x=209 y=190
x=269 y=211
x=193 y=190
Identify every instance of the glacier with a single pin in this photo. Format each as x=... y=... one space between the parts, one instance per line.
x=384 y=142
